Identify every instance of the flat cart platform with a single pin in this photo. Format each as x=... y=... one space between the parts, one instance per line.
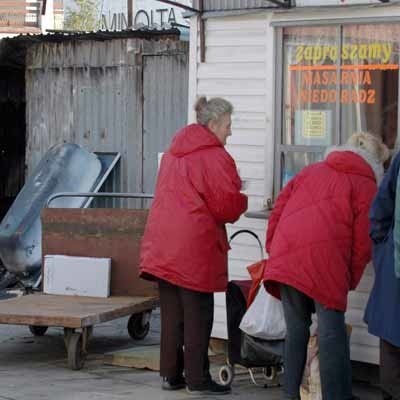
x=90 y=232
x=40 y=311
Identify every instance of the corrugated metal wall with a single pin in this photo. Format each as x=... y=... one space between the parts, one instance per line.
x=91 y=93
x=163 y=106
x=218 y=5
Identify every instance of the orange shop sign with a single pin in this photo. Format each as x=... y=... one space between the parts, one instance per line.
x=375 y=52
x=319 y=83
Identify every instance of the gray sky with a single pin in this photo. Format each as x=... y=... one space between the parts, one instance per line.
x=107 y=5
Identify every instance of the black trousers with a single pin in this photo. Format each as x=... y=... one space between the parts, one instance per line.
x=186 y=323
x=390 y=370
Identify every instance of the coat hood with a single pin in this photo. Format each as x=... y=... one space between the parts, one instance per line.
x=354 y=160
x=192 y=138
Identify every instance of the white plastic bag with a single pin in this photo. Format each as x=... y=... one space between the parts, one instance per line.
x=264 y=318
x=310 y=388
x=311 y=385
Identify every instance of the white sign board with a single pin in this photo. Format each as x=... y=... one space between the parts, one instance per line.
x=311 y=3
x=150 y=12
x=119 y=16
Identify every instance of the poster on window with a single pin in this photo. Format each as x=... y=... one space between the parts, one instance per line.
x=350 y=73
x=313 y=127
x=337 y=80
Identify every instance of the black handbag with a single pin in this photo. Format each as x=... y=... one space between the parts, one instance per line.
x=261 y=353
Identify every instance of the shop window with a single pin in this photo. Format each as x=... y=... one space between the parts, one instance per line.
x=336 y=80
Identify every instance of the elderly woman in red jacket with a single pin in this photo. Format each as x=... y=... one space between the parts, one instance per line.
x=318 y=247
x=185 y=244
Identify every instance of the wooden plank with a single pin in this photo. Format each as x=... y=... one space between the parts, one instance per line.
x=144 y=357
x=11 y=6
x=14 y=15
x=70 y=311
x=365 y=354
x=20 y=29
x=110 y=233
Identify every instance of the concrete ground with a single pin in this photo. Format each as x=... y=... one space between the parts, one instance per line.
x=33 y=368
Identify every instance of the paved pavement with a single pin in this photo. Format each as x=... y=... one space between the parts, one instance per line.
x=33 y=368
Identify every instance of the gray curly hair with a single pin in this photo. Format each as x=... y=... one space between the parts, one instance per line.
x=211 y=110
x=371 y=143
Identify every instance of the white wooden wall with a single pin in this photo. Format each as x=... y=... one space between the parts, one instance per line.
x=240 y=67
x=236 y=68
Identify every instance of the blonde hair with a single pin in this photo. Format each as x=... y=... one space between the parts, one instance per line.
x=211 y=110
x=372 y=143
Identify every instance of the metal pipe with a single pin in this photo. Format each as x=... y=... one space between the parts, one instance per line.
x=282 y=3
x=102 y=194
x=202 y=33
x=44 y=7
x=175 y=3
x=175 y=24
x=130 y=13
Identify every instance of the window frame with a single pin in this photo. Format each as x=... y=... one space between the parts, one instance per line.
x=279 y=148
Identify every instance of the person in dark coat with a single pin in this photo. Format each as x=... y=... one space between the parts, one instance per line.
x=318 y=247
x=382 y=314
x=185 y=245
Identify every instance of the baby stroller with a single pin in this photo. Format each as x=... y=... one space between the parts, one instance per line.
x=244 y=350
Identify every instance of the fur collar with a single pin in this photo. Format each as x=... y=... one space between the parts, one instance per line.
x=376 y=165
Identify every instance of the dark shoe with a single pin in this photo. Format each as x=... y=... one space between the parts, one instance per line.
x=173 y=384
x=211 y=389
x=386 y=396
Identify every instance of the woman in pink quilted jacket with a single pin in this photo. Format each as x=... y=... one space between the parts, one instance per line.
x=185 y=244
x=318 y=247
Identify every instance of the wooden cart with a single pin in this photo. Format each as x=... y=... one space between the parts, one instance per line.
x=113 y=233
x=77 y=315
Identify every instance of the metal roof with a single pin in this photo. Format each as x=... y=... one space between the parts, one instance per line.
x=13 y=50
x=227 y=5
x=231 y=5
x=62 y=36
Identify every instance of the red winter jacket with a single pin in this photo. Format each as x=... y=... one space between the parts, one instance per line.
x=317 y=236
x=197 y=192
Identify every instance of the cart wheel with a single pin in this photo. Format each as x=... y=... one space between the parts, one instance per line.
x=270 y=373
x=76 y=355
x=226 y=375
x=37 y=330
x=137 y=327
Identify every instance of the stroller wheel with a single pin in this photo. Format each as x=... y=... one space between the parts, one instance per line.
x=270 y=373
x=226 y=375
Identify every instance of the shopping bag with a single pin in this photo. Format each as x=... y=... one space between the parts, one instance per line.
x=256 y=272
x=261 y=353
x=310 y=388
x=311 y=384
x=264 y=318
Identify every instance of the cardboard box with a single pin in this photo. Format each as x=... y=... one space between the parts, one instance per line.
x=79 y=276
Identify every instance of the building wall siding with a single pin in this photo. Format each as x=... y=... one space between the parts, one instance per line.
x=239 y=65
x=236 y=68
